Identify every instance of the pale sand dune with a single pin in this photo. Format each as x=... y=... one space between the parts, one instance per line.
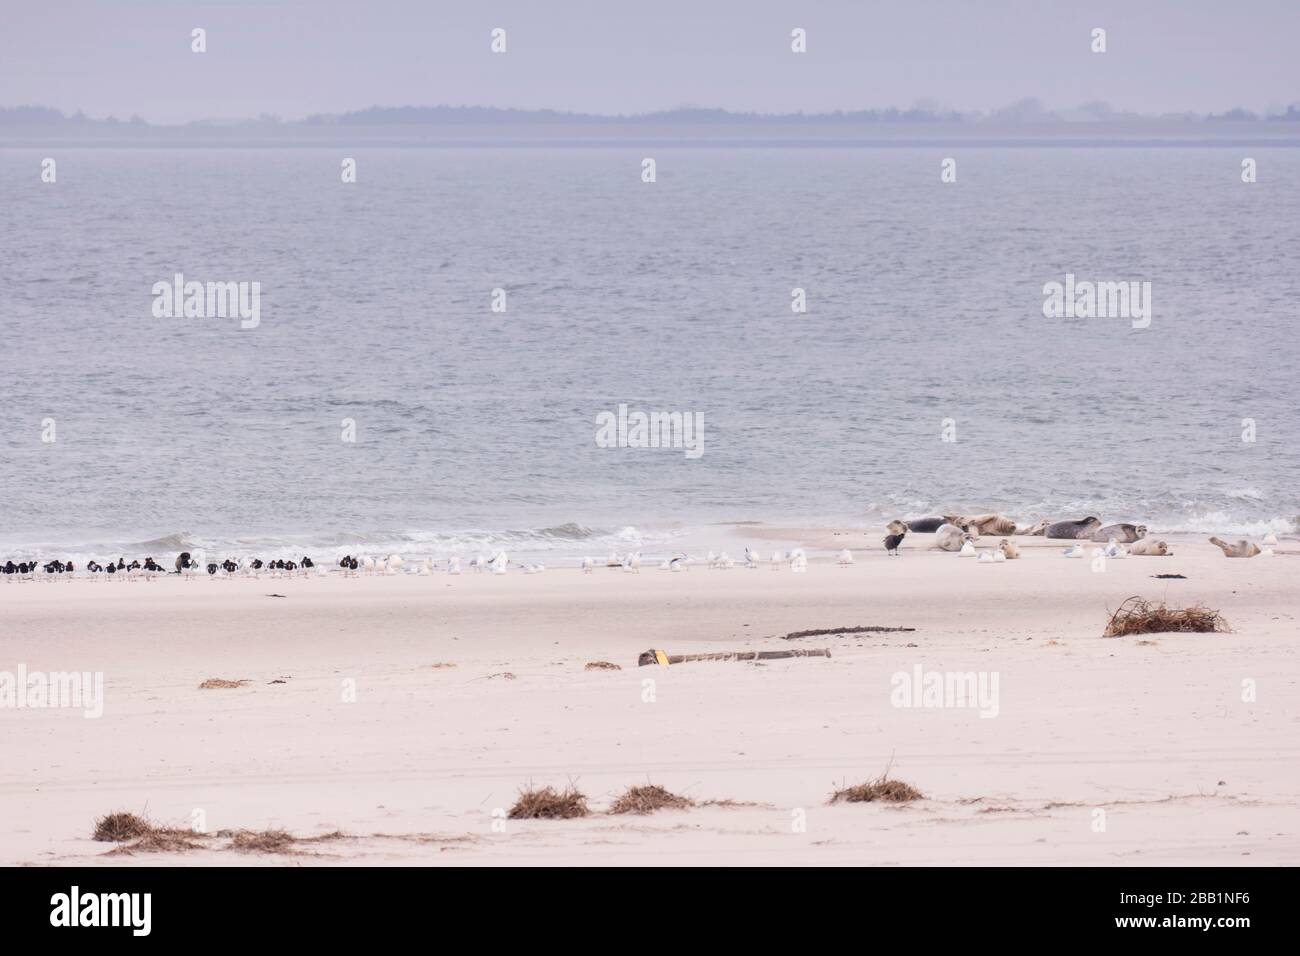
x=425 y=754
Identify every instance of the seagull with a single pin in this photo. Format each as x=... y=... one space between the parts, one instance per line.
x=986 y=557
x=678 y=564
x=846 y=558
x=500 y=563
x=1270 y=538
x=478 y=563
x=453 y=564
x=751 y=558
x=632 y=563
x=394 y=563
x=1075 y=551
x=368 y=565
x=712 y=559
x=1114 y=550
x=999 y=557
x=613 y=561
x=588 y=566
x=798 y=561
x=967 y=550
x=776 y=560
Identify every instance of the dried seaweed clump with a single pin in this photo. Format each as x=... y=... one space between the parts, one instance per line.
x=138 y=835
x=119 y=827
x=648 y=799
x=1138 y=616
x=159 y=840
x=260 y=841
x=881 y=789
x=548 y=804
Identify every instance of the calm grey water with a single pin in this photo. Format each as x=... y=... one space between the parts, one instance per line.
x=924 y=303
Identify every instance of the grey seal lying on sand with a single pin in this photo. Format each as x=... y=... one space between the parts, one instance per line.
x=926 y=525
x=1083 y=528
x=1123 y=533
x=949 y=537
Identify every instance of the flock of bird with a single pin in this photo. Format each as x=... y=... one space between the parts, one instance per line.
x=187 y=566
x=191 y=565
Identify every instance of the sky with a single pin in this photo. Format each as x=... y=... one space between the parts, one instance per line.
x=292 y=58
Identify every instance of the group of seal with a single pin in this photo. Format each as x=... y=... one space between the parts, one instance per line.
x=1087 y=529
x=992 y=523
x=952 y=531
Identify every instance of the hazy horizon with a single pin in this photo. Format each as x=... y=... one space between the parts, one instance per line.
x=293 y=59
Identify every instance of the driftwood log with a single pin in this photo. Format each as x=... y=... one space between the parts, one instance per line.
x=651 y=657
x=845 y=630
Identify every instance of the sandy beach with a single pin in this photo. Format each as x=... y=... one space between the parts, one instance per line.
x=406 y=712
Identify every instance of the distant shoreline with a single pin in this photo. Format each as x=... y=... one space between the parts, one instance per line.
x=46 y=143
x=1026 y=124
x=883 y=136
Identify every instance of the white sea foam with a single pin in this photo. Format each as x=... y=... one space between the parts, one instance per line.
x=563 y=540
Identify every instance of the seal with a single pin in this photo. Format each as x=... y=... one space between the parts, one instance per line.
x=1037 y=528
x=926 y=525
x=1149 y=546
x=1008 y=549
x=949 y=537
x=1242 y=549
x=1123 y=533
x=994 y=524
x=1083 y=528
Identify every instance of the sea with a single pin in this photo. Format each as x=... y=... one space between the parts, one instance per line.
x=438 y=342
